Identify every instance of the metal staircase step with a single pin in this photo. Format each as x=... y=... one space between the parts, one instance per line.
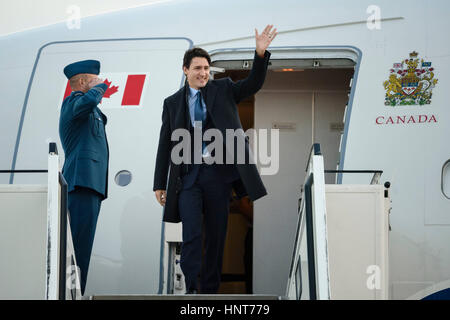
x=185 y=297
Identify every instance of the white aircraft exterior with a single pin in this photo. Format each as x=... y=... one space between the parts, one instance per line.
x=365 y=79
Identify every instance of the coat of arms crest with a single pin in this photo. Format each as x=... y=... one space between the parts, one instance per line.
x=410 y=82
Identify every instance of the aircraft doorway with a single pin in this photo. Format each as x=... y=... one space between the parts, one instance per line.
x=308 y=105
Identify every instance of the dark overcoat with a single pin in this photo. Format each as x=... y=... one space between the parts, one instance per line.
x=221 y=97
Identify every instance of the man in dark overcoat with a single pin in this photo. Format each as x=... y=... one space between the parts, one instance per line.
x=196 y=191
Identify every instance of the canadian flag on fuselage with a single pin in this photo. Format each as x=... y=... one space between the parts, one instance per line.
x=123 y=90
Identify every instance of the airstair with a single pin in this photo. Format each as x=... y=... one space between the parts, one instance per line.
x=35 y=237
x=340 y=250
x=341 y=245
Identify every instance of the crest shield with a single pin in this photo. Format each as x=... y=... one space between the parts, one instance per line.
x=410 y=82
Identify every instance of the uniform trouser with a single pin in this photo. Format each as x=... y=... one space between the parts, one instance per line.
x=205 y=203
x=84 y=207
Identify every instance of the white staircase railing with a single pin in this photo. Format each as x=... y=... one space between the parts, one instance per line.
x=309 y=268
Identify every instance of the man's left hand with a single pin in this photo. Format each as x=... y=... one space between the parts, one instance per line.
x=264 y=39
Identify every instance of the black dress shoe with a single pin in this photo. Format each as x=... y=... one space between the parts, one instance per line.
x=191 y=291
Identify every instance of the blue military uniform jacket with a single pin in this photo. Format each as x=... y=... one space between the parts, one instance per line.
x=83 y=138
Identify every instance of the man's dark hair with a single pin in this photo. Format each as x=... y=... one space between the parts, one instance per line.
x=193 y=53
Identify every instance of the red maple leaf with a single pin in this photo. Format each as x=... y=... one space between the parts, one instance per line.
x=111 y=89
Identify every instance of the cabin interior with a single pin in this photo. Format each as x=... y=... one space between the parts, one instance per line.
x=306 y=99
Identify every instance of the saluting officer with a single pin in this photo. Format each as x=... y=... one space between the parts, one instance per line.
x=83 y=138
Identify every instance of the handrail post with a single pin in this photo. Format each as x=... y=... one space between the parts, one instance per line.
x=53 y=225
x=63 y=237
x=312 y=218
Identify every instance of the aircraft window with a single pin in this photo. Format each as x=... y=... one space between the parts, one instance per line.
x=445 y=179
x=123 y=178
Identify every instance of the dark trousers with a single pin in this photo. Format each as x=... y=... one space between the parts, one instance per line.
x=248 y=261
x=205 y=204
x=84 y=207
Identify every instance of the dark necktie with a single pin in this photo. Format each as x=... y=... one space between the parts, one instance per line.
x=199 y=115
x=198 y=110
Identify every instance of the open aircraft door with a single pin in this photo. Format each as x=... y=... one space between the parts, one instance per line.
x=142 y=72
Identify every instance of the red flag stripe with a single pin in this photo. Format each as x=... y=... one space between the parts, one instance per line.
x=68 y=90
x=133 y=90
